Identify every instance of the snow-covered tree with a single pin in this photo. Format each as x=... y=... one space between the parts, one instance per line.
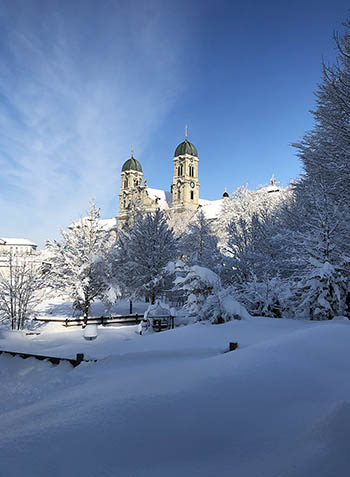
x=198 y=244
x=178 y=221
x=79 y=262
x=321 y=293
x=221 y=306
x=205 y=298
x=323 y=193
x=251 y=241
x=265 y=296
x=21 y=289
x=244 y=203
x=197 y=284
x=321 y=251
x=325 y=151
x=142 y=253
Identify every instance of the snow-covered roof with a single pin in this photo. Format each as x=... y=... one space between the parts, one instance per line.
x=164 y=197
x=211 y=208
x=17 y=241
x=157 y=310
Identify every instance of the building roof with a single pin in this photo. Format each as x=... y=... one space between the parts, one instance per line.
x=17 y=242
x=186 y=147
x=132 y=164
x=164 y=197
x=211 y=208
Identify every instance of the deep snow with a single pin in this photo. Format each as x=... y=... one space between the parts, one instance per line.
x=174 y=403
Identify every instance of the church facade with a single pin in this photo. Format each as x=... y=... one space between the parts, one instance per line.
x=184 y=189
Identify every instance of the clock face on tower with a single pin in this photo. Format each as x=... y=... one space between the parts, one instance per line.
x=192 y=184
x=179 y=184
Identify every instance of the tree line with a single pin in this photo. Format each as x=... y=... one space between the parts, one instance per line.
x=283 y=253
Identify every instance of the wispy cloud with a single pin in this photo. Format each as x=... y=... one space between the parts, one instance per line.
x=79 y=83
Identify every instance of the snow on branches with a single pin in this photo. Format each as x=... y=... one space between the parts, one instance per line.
x=79 y=265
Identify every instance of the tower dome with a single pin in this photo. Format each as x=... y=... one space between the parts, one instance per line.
x=186 y=147
x=132 y=165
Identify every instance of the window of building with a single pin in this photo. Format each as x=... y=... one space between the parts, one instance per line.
x=192 y=195
x=126 y=184
x=178 y=195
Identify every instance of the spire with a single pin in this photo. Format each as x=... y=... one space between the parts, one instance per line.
x=132 y=152
x=273 y=180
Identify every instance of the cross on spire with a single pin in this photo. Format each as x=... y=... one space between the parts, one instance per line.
x=186 y=131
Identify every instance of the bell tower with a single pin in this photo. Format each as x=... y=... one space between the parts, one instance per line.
x=185 y=186
x=131 y=182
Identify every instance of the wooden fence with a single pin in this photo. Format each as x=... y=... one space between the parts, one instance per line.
x=53 y=359
x=121 y=320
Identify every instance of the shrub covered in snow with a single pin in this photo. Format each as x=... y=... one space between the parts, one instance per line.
x=205 y=297
x=221 y=306
x=322 y=292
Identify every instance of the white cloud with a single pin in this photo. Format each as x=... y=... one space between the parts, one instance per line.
x=78 y=87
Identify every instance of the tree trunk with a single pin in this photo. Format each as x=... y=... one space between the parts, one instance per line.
x=130 y=307
x=86 y=307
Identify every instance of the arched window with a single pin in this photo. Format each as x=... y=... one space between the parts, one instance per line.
x=179 y=171
x=126 y=184
x=178 y=195
x=192 y=195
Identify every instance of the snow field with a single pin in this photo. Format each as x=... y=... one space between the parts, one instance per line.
x=173 y=403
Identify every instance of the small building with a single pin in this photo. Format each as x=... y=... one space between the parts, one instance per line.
x=159 y=317
x=18 y=246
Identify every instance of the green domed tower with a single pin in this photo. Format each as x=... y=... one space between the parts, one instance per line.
x=131 y=178
x=185 y=186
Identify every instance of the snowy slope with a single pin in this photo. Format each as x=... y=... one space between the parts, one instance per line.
x=174 y=404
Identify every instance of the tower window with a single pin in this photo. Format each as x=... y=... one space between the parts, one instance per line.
x=178 y=195
x=126 y=184
x=192 y=195
x=179 y=171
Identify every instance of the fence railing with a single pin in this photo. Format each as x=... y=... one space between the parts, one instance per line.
x=52 y=359
x=122 y=320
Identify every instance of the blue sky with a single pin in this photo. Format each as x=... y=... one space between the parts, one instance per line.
x=83 y=82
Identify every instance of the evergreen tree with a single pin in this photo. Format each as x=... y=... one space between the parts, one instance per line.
x=198 y=244
x=142 y=254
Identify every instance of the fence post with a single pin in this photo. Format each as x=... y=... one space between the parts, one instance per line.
x=233 y=346
x=80 y=358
